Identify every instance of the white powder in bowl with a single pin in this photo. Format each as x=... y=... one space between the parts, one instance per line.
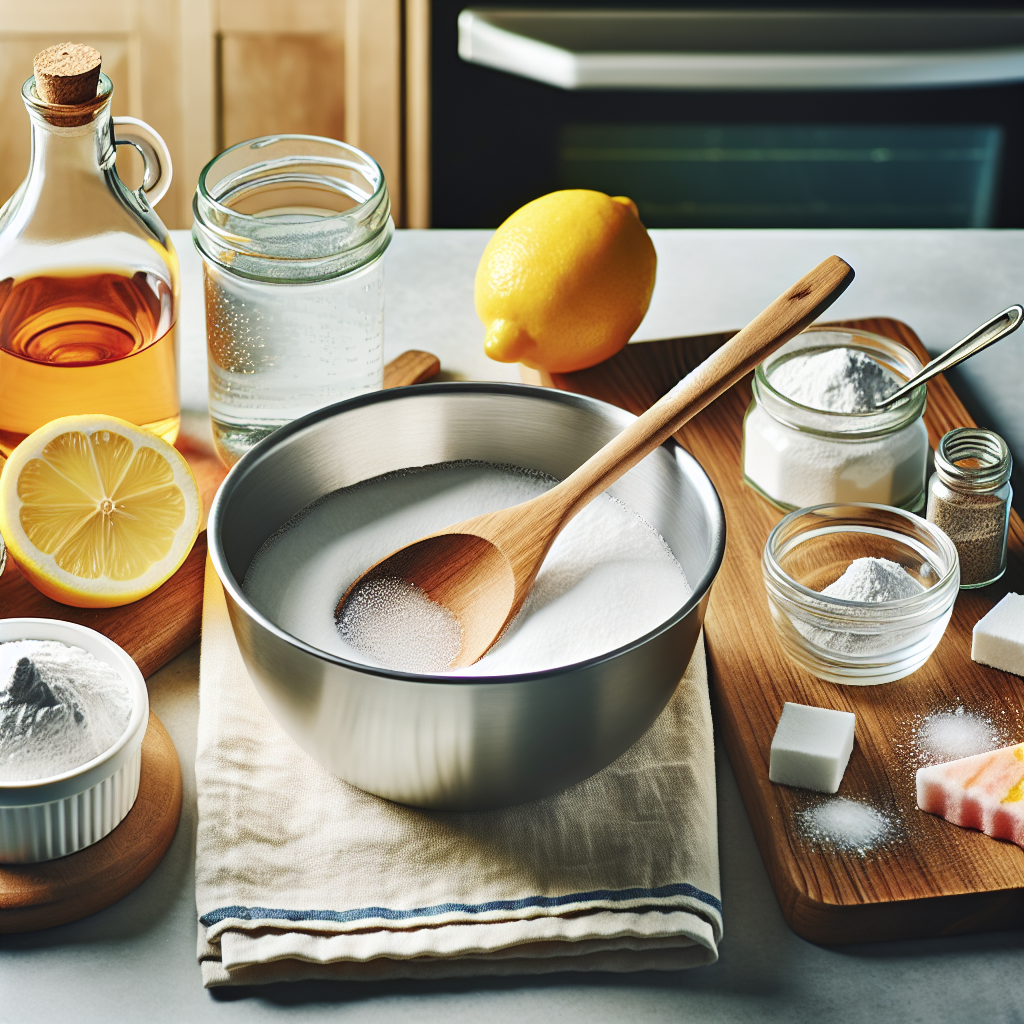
x=60 y=707
x=608 y=579
x=393 y=623
x=844 y=824
x=835 y=380
x=874 y=579
x=868 y=581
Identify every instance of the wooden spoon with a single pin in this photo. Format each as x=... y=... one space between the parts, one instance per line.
x=482 y=569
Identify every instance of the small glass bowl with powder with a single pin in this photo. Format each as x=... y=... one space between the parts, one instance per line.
x=813 y=435
x=859 y=593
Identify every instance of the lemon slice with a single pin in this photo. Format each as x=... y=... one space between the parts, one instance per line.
x=97 y=512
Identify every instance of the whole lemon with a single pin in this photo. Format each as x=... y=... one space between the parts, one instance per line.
x=565 y=281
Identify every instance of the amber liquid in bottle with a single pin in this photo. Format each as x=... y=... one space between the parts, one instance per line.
x=92 y=343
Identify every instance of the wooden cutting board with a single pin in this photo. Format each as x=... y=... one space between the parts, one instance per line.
x=34 y=896
x=932 y=878
x=160 y=626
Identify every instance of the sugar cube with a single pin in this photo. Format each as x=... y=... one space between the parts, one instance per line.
x=811 y=747
x=999 y=636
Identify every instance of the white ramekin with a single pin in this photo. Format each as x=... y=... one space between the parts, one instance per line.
x=49 y=818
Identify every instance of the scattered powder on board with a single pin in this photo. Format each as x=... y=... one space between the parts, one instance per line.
x=608 y=579
x=59 y=708
x=394 y=623
x=836 y=380
x=949 y=735
x=844 y=824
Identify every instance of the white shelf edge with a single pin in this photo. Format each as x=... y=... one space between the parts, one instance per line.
x=490 y=45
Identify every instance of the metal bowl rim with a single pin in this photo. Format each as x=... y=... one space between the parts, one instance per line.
x=255 y=454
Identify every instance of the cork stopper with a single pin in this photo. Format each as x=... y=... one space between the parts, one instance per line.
x=67 y=74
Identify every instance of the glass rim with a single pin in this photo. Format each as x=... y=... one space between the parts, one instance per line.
x=279 y=250
x=973 y=443
x=85 y=113
x=820 y=604
x=262 y=142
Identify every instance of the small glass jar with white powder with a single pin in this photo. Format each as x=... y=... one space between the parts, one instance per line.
x=813 y=435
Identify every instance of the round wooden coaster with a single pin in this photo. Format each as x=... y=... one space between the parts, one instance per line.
x=34 y=896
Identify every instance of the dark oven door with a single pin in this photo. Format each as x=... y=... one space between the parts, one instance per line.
x=811 y=117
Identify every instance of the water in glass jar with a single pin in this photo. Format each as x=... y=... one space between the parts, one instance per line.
x=292 y=230
x=280 y=350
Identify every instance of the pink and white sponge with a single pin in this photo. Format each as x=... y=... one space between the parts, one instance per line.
x=984 y=791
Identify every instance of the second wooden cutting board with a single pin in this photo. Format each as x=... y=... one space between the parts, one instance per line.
x=162 y=625
x=931 y=878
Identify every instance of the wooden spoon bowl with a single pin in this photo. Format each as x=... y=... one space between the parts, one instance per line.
x=482 y=569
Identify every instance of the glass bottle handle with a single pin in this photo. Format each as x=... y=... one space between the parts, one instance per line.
x=130 y=131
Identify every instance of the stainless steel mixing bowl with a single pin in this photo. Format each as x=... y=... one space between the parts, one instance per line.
x=440 y=741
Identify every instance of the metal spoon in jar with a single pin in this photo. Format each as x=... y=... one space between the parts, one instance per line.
x=987 y=334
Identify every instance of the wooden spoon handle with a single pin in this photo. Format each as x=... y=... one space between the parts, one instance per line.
x=786 y=317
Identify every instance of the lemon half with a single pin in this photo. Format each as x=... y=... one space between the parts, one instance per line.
x=97 y=512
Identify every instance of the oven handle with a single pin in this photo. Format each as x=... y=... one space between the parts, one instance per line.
x=621 y=49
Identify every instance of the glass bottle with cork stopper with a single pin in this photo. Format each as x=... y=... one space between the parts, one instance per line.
x=969 y=500
x=88 y=274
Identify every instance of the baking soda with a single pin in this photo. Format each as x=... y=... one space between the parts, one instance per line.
x=799 y=459
x=845 y=824
x=874 y=579
x=60 y=707
x=867 y=580
x=608 y=579
x=836 y=380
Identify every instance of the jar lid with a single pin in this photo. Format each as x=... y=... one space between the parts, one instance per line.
x=973 y=459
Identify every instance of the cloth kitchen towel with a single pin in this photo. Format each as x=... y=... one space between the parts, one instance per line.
x=300 y=875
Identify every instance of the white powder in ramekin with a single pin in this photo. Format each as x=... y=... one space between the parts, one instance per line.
x=60 y=707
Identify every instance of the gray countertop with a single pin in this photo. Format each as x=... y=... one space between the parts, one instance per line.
x=136 y=960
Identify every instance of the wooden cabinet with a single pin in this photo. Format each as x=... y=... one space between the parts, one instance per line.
x=149 y=53
x=209 y=73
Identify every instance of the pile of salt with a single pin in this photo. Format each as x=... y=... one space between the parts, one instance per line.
x=844 y=824
x=950 y=735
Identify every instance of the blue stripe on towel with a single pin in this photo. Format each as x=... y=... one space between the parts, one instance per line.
x=385 y=913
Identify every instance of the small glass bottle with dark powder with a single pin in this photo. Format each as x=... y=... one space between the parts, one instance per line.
x=969 y=500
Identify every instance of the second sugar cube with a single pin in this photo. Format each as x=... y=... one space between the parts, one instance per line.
x=811 y=747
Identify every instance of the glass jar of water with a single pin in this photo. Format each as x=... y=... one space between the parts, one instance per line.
x=291 y=229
